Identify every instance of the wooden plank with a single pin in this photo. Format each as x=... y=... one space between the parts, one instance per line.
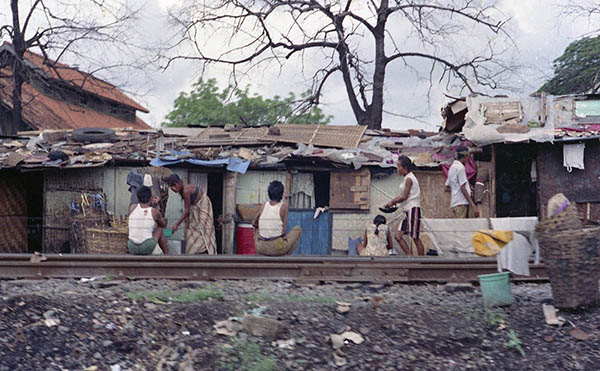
x=359 y=188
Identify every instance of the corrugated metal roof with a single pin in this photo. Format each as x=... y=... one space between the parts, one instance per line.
x=211 y=137
x=319 y=135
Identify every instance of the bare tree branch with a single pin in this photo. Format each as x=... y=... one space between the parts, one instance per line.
x=252 y=34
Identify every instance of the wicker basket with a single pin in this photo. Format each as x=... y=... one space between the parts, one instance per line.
x=79 y=224
x=572 y=261
x=247 y=212
x=106 y=241
x=568 y=219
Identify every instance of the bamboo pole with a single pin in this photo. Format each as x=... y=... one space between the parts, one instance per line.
x=229 y=185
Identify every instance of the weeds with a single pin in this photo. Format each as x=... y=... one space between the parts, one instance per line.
x=176 y=297
x=495 y=319
x=249 y=356
x=264 y=297
x=260 y=297
x=514 y=342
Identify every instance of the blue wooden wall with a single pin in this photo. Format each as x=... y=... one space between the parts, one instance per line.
x=316 y=233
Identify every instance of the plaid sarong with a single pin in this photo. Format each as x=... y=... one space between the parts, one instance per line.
x=200 y=231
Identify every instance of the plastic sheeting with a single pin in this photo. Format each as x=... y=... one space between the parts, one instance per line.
x=452 y=237
x=480 y=134
x=234 y=164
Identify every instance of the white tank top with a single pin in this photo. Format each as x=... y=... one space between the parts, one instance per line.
x=414 y=195
x=141 y=224
x=270 y=224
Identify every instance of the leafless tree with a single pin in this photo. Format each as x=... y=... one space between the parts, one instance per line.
x=358 y=39
x=56 y=29
x=575 y=10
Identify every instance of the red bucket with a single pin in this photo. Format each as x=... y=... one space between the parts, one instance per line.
x=245 y=239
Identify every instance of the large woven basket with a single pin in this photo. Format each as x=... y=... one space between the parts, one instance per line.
x=106 y=241
x=79 y=224
x=568 y=219
x=572 y=262
x=247 y=212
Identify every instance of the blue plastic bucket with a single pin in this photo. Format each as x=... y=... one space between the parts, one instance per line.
x=495 y=289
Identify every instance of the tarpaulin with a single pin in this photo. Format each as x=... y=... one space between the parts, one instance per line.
x=233 y=164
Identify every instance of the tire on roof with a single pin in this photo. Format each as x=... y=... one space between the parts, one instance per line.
x=93 y=135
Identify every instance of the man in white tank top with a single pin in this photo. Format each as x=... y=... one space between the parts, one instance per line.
x=270 y=237
x=145 y=226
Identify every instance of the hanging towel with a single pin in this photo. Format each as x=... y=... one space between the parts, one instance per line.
x=514 y=256
x=490 y=242
x=573 y=156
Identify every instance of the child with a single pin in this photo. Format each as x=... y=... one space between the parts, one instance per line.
x=377 y=240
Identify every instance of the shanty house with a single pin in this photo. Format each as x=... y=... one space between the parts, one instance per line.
x=338 y=176
x=57 y=96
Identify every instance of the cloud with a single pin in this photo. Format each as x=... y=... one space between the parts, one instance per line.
x=540 y=34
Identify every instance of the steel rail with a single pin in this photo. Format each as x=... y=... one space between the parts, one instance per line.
x=199 y=267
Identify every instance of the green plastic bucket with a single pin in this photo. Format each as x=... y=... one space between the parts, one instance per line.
x=495 y=289
x=168 y=232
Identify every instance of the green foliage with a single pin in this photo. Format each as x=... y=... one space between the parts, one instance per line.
x=176 y=297
x=577 y=70
x=514 y=342
x=207 y=106
x=260 y=297
x=249 y=356
x=265 y=297
x=495 y=318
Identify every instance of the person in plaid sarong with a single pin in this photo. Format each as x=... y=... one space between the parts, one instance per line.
x=198 y=215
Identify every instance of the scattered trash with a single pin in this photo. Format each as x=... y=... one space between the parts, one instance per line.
x=355 y=337
x=579 y=334
x=550 y=315
x=343 y=307
x=337 y=341
x=344 y=328
x=339 y=359
x=284 y=344
x=50 y=322
x=376 y=301
x=185 y=333
x=110 y=326
x=262 y=327
x=84 y=279
x=115 y=368
x=37 y=258
x=257 y=312
x=548 y=338
x=91 y=368
x=228 y=327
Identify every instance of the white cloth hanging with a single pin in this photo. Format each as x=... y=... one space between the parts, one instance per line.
x=148 y=180
x=573 y=156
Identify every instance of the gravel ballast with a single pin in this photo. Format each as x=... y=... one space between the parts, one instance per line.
x=115 y=325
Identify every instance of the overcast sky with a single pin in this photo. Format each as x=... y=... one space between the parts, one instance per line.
x=540 y=33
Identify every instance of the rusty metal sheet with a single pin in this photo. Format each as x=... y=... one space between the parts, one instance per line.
x=580 y=186
x=319 y=135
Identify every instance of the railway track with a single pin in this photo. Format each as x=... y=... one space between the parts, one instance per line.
x=302 y=268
